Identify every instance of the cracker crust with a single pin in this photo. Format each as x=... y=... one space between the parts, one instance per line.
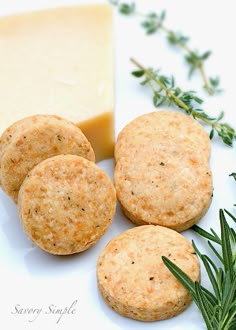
x=33 y=139
x=162 y=175
x=133 y=279
x=66 y=203
x=163 y=127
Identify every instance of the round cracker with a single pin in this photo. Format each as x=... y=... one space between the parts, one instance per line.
x=162 y=175
x=160 y=190
x=33 y=139
x=133 y=279
x=163 y=127
x=66 y=203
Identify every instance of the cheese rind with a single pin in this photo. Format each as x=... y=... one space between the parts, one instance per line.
x=60 y=61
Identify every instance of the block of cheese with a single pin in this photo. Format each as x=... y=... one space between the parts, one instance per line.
x=60 y=61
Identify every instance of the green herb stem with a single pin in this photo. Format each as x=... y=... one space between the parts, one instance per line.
x=153 y=22
x=150 y=74
x=218 y=308
x=164 y=90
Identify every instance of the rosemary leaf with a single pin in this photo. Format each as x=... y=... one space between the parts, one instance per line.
x=203 y=305
x=207 y=235
x=226 y=246
x=212 y=299
x=229 y=300
x=207 y=262
x=215 y=251
x=180 y=275
x=233 y=322
x=218 y=308
x=231 y=215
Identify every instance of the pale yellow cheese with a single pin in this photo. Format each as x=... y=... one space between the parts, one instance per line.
x=60 y=61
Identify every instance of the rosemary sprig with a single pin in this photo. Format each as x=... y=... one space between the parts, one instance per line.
x=153 y=22
x=218 y=307
x=234 y=176
x=164 y=90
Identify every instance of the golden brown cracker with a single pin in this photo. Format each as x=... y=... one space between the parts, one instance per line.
x=163 y=127
x=162 y=175
x=33 y=139
x=66 y=203
x=133 y=279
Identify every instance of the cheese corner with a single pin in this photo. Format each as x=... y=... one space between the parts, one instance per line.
x=60 y=61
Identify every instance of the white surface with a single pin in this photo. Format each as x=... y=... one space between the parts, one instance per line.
x=32 y=279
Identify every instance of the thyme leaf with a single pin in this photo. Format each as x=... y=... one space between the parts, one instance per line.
x=153 y=23
x=164 y=90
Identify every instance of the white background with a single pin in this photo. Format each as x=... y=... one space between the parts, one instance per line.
x=31 y=278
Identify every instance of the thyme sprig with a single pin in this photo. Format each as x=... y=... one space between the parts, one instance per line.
x=153 y=22
x=218 y=306
x=164 y=90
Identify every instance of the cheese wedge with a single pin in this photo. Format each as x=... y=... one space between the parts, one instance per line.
x=60 y=61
